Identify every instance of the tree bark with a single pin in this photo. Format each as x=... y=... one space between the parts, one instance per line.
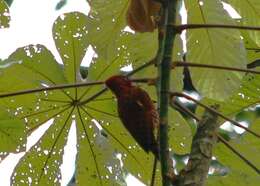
x=196 y=171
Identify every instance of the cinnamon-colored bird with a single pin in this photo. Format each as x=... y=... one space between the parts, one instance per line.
x=136 y=111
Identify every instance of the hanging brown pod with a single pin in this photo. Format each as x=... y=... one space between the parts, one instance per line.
x=141 y=15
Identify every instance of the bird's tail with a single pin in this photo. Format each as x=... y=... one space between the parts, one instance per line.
x=155 y=149
x=156 y=152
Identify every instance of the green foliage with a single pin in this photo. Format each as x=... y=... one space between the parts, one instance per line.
x=101 y=138
x=249 y=11
x=247 y=96
x=61 y=4
x=239 y=173
x=70 y=36
x=106 y=21
x=34 y=66
x=251 y=46
x=4 y=15
x=9 y=2
x=179 y=141
x=12 y=132
x=42 y=162
x=216 y=47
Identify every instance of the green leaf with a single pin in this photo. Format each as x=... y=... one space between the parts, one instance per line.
x=240 y=173
x=251 y=46
x=100 y=69
x=41 y=164
x=139 y=48
x=106 y=22
x=12 y=133
x=177 y=73
x=180 y=133
x=32 y=67
x=249 y=11
x=38 y=60
x=102 y=167
x=4 y=15
x=60 y=4
x=247 y=96
x=214 y=46
x=70 y=36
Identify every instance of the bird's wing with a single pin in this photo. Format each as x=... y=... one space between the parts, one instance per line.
x=133 y=114
x=139 y=116
x=150 y=111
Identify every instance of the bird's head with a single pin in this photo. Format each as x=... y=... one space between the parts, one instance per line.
x=118 y=83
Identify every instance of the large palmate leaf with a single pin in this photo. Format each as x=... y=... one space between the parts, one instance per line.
x=247 y=96
x=4 y=15
x=214 y=46
x=249 y=10
x=106 y=151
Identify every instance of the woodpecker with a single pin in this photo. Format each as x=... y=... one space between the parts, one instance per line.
x=136 y=111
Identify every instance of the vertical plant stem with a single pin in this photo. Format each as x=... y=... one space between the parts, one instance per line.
x=164 y=57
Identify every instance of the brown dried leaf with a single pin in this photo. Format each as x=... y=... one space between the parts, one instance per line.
x=141 y=15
